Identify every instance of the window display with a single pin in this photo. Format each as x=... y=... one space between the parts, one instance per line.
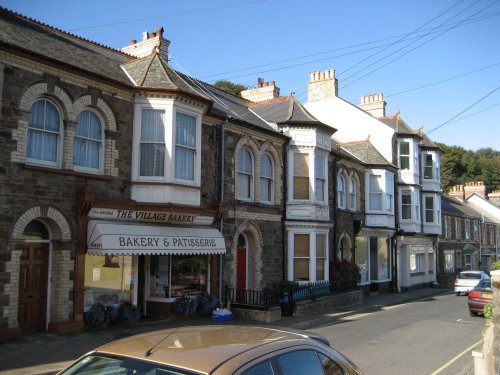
x=177 y=275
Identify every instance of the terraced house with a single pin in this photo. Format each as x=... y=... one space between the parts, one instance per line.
x=124 y=182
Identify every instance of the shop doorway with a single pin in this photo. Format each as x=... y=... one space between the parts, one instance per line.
x=33 y=282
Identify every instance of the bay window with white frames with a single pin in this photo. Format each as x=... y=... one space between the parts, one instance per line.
x=245 y=172
x=266 y=179
x=152 y=143
x=301 y=182
x=308 y=254
x=375 y=192
x=43 y=145
x=319 y=178
x=166 y=159
x=185 y=146
x=88 y=142
x=404 y=155
x=406 y=205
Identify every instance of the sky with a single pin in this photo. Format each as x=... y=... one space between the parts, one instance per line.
x=436 y=62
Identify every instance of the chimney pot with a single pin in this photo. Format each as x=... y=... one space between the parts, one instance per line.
x=132 y=42
x=272 y=83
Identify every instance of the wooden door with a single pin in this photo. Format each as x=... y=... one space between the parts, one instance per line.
x=33 y=279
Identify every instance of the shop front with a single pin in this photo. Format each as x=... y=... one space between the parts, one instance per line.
x=149 y=259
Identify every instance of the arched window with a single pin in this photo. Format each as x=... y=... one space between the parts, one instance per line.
x=87 y=148
x=341 y=191
x=44 y=133
x=266 y=178
x=245 y=174
x=353 y=196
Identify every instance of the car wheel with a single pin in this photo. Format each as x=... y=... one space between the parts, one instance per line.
x=472 y=313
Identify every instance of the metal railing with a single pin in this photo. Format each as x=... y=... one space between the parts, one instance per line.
x=262 y=299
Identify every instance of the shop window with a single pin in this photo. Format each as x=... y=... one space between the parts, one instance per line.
x=109 y=280
x=379 y=259
x=44 y=134
x=88 y=143
x=177 y=275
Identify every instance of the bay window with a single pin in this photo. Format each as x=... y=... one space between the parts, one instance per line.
x=319 y=178
x=375 y=195
x=152 y=143
x=301 y=257
x=429 y=209
x=185 y=146
x=404 y=155
x=428 y=167
x=301 y=176
x=406 y=205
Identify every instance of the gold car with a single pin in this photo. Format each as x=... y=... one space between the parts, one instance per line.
x=218 y=350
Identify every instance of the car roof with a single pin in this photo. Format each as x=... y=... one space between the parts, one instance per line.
x=204 y=348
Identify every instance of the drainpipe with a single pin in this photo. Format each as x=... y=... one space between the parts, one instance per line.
x=284 y=239
x=221 y=197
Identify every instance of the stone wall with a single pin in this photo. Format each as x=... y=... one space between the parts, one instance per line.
x=266 y=316
x=327 y=303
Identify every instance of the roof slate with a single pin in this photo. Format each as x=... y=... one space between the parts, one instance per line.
x=367 y=153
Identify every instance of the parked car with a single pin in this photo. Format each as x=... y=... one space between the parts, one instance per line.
x=217 y=350
x=478 y=297
x=467 y=280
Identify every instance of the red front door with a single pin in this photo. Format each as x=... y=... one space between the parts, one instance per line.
x=33 y=279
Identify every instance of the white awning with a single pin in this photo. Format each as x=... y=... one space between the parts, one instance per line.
x=113 y=238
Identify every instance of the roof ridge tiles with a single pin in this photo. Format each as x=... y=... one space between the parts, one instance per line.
x=278 y=99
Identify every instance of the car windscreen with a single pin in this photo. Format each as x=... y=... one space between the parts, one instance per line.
x=484 y=284
x=97 y=363
x=470 y=275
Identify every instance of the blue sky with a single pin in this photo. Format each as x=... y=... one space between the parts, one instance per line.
x=436 y=62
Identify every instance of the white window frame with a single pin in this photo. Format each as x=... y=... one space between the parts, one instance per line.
x=244 y=173
x=409 y=206
x=100 y=168
x=312 y=259
x=375 y=195
x=406 y=156
x=59 y=136
x=320 y=178
x=268 y=179
x=353 y=194
x=389 y=193
x=427 y=210
x=299 y=176
x=341 y=191
x=426 y=167
x=193 y=150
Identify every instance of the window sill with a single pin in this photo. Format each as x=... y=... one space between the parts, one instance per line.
x=67 y=172
x=418 y=273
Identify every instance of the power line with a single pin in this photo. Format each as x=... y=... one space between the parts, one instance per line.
x=465 y=110
x=442 y=81
x=420 y=45
x=168 y=15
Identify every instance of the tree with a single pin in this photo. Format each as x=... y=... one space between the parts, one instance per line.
x=230 y=87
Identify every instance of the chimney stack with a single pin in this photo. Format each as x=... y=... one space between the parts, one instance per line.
x=149 y=44
x=374 y=104
x=322 y=85
x=457 y=192
x=263 y=91
x=475 y=187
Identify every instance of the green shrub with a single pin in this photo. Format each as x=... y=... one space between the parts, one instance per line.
x=488 y=311
x=495 y=265
x=344 y=275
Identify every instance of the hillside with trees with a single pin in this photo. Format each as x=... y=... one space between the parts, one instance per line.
x=459 y=166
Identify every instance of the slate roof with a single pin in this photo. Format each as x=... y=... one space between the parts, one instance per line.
x=450 y=205
x=367 y=153
x=24 y=34
x=289 y=111
x=398 y=125
x=153 y=71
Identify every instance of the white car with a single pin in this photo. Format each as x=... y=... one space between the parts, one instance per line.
x=467 y=280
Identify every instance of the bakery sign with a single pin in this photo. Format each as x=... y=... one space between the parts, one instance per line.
x=149 y=216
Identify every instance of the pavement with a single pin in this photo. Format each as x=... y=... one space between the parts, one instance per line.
x=47 y=353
